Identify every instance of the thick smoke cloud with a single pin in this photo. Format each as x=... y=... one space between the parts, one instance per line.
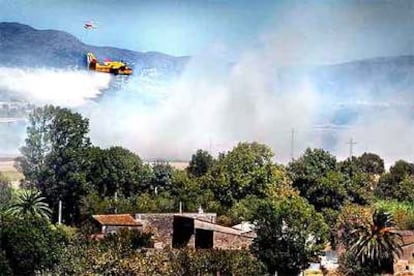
x=265 y=94
x=211 y=106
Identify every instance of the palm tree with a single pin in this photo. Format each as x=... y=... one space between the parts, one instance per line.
x=375 y=245
x=30 y=203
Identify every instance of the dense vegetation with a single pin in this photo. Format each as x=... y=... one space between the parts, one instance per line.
x=297 y=208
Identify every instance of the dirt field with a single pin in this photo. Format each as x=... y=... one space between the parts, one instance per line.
x=6 y=164
x=7 y=169
x=180 y=165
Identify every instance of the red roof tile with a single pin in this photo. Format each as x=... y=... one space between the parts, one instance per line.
x=119 y=220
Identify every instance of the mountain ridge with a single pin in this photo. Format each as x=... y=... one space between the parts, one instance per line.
x=23 y=45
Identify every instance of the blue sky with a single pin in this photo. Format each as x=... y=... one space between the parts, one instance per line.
x=348 y=29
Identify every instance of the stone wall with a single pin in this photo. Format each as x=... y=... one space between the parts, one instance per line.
x=231 y=241
x=405 y=264
x=161 y=225
x=111 y=229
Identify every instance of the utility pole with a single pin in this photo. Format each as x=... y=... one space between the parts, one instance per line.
x=60 y=212
x=116 y=201
x=292 y=144
x=351 y=144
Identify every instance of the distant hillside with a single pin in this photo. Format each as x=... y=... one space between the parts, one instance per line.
x=354 y=81
x=383 y=76
x=366 y=86
x=22 y=45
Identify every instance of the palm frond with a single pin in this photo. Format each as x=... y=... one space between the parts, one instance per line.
x=30 y=203
x=377 y=243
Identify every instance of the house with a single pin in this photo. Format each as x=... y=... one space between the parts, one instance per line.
x=112 y=223
x=405 y=264
x=197 y=230
x=177 y=230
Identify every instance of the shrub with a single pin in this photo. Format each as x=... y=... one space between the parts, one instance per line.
x=402 y=212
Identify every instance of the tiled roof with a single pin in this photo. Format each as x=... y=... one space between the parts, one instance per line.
x=118 y=220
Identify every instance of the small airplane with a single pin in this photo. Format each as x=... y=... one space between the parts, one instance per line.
x=108 y=66
x=89 y=25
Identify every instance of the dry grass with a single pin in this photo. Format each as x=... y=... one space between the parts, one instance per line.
x=179 y=165
x=8 y=170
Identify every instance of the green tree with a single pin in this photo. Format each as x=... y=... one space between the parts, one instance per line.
x=5 y=192
x=5 y=268
x=187 y=190
x=31 y=245
x=281 y=185
x=401 y=191
x=371 y=163
x=290 y=233
x=348 y=266
x=350 y=217
x=359 y=177
x=245 y=209
x=201 y=162
x=375 y=245
x=245 y=170
x=311 y=166
x=161 y=179
x=5 y=199
x=30 y=203
x=315 y=175
x=55 y=157
x=401 y=169
x=117 y=170
x=37 y=145
x=360 y=189
x=327 y=192
x=349 y=167
x=398 y=184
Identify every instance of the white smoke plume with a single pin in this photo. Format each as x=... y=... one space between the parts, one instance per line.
x=40 y=86
x=69 y=88
x=210 y=106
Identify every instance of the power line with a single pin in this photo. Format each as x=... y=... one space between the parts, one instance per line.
x=351 y=144
x=292 y=144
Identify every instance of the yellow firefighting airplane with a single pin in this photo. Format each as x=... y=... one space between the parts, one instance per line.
x=113 y=67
